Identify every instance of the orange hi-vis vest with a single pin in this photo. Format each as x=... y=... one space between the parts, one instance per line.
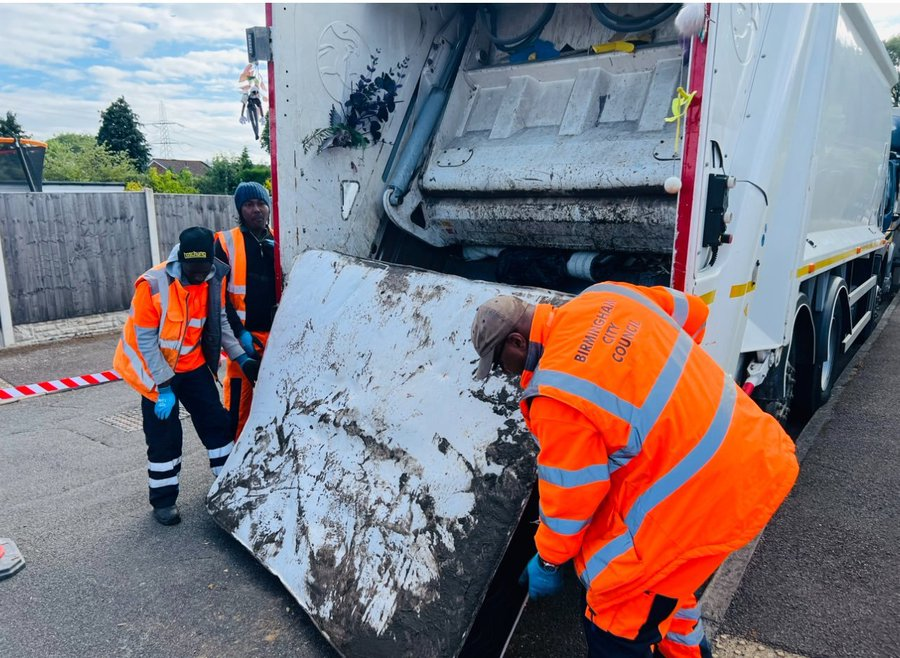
x=174 y=317
x=232 y=242
x=692 y=468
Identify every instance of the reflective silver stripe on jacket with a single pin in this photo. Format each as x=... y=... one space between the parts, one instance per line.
x=666 y=485
x=230 y=251
x=135 y=361
x=569 y=479
x=642 y=423
x=692 y=613
x=566 y=527
x=634 y=296
x=228 y=244
x=682 y=306
x=692 y=639
x=159 y=283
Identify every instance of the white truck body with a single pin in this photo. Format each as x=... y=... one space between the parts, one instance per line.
x=522 y=157
x=781 y=158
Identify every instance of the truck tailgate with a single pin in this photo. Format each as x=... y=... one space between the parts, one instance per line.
x=375 y=477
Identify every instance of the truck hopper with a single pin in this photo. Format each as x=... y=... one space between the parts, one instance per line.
x=375 y=477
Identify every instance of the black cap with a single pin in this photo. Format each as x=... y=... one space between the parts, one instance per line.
x=195 y=245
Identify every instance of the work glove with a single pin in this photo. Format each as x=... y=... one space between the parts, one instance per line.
x=540 y=580
x=247 y=341
x=250 y=367
x=164 y=403
x=244 y=120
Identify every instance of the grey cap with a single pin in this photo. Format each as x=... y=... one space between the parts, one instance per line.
x=494 y=321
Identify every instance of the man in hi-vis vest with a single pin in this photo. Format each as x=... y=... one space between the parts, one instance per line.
x=653 y=465
x=249 y=250
x=169 y=353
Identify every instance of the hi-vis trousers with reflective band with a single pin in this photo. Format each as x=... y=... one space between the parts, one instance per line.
x=238 y=388
x=645 y=626
x=197 y=391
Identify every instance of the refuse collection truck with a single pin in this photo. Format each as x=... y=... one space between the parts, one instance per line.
x=428 y=156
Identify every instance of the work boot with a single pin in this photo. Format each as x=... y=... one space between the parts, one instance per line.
x=167 y=515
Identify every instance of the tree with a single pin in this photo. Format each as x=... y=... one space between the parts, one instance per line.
x=169 y=183
x=893 y=48
x=222 y=178
x=264 y=137
x=225 y=173
x=120 y=131
x=74 y=157
x=9 y=127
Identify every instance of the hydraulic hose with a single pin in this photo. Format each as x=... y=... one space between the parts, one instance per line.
x=618 y=23
x=514 y=43
x=427 y=120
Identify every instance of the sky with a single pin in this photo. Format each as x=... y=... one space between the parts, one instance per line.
x=65 y=63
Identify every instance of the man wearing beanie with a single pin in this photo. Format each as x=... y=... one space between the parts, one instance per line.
x=169 y=352
x=249 y=249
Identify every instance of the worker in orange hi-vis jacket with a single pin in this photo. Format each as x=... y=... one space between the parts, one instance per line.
x=653 y=465
x=169 y=353
x=249 y=250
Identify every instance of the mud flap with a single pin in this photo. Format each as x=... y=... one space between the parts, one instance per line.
x=375 y=476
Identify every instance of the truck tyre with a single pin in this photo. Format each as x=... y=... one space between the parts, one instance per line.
x=786 y=393
x=891 y=275
x=830 y=332
x=875 y=298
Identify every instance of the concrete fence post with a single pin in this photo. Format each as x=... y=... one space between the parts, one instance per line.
x=6 y=323
x=151 y=226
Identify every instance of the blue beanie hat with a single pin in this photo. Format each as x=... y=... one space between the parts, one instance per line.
x=248 y=191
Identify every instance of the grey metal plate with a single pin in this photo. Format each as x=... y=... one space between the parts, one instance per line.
x=375 y=477
x=131 y=421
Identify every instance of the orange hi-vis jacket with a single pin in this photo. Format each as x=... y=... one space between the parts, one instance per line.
x=173 y=328
x=653 y=464
x=232 y=242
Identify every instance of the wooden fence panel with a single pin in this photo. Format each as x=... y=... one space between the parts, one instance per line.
x=71 y=254
x=176 y=212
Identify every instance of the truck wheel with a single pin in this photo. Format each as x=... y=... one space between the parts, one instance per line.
x=786 y=392
x=830 y=335
x=874 y=302
x=785 y=380
x=893 y=277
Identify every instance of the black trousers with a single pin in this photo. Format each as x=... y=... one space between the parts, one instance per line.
x=197 y=391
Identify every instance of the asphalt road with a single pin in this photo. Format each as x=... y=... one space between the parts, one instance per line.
x=102 y=578
x=825 y=577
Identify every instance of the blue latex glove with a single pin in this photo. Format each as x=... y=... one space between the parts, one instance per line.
x=246 y=341
x=165 y=403
x=541 y=582
x=269 y=242
x=250 y=367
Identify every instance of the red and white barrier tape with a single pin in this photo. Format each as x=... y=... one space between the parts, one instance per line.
x=64 y=384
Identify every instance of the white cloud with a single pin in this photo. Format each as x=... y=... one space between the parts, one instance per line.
x=195 y=64
x=70 y=61
x=885 y=18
